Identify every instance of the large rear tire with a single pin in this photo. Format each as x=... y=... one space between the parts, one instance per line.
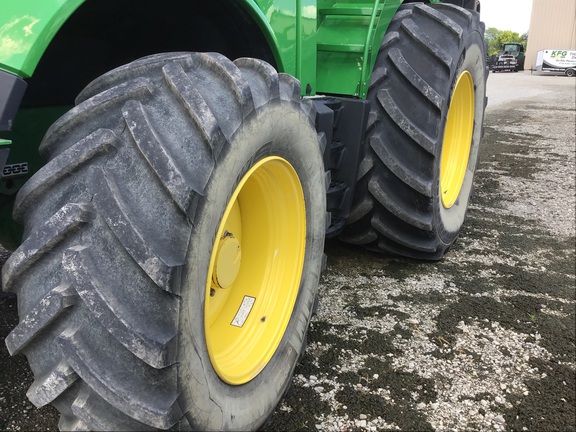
x=428 y=98
x=173 y=246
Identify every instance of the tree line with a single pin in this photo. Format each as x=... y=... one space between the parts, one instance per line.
x=496 y=38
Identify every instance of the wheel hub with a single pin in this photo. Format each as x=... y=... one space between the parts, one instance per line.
x=228 y=261
x=255 y=270
x=457 y=140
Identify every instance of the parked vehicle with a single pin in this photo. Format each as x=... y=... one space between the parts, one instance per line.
x=557 y=61
x=505 y=63
x=510 y=59
x=517 y=50
x=169 y=240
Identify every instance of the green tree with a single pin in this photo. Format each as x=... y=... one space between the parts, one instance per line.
x=491 y=34
x=496 y=38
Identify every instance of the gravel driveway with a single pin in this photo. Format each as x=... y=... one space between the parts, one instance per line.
x=481 y=340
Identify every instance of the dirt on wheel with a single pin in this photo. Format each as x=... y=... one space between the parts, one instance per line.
x=482 y=340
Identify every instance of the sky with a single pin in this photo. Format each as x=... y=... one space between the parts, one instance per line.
x=506 y=14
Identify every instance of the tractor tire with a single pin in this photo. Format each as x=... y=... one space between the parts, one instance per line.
x=427 y=96
x=172 y=249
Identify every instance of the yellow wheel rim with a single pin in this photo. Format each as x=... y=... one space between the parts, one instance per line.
x=255 y=270
x=457 y=140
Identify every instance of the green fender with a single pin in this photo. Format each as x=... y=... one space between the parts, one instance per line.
x=28 y=29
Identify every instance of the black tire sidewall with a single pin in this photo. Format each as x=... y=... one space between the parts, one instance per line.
x=279 y=129
x=397 y=204
x=449 y=221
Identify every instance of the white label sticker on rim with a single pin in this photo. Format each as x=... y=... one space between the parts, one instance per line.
x=243 y=312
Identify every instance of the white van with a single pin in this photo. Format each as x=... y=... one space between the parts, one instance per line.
x=556 y=61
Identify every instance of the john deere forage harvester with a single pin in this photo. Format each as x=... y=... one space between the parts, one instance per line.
x=193 y=156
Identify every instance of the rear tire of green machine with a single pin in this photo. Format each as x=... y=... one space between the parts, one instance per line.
x=431 y=56
x=173 y=247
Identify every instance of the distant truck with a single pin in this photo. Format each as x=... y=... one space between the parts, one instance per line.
x=511 y=58
x=505 y=63
x=556 y=61
x=517 y=50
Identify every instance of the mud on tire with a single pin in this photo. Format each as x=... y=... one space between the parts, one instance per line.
x=398 y=205
x=114 y=271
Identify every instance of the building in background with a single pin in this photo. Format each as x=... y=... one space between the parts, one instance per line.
x=552 y=26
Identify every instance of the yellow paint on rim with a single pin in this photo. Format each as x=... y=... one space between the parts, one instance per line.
x=457 y=140
x=255 y=270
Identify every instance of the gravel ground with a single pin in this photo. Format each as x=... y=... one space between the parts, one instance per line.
x=481 y=340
